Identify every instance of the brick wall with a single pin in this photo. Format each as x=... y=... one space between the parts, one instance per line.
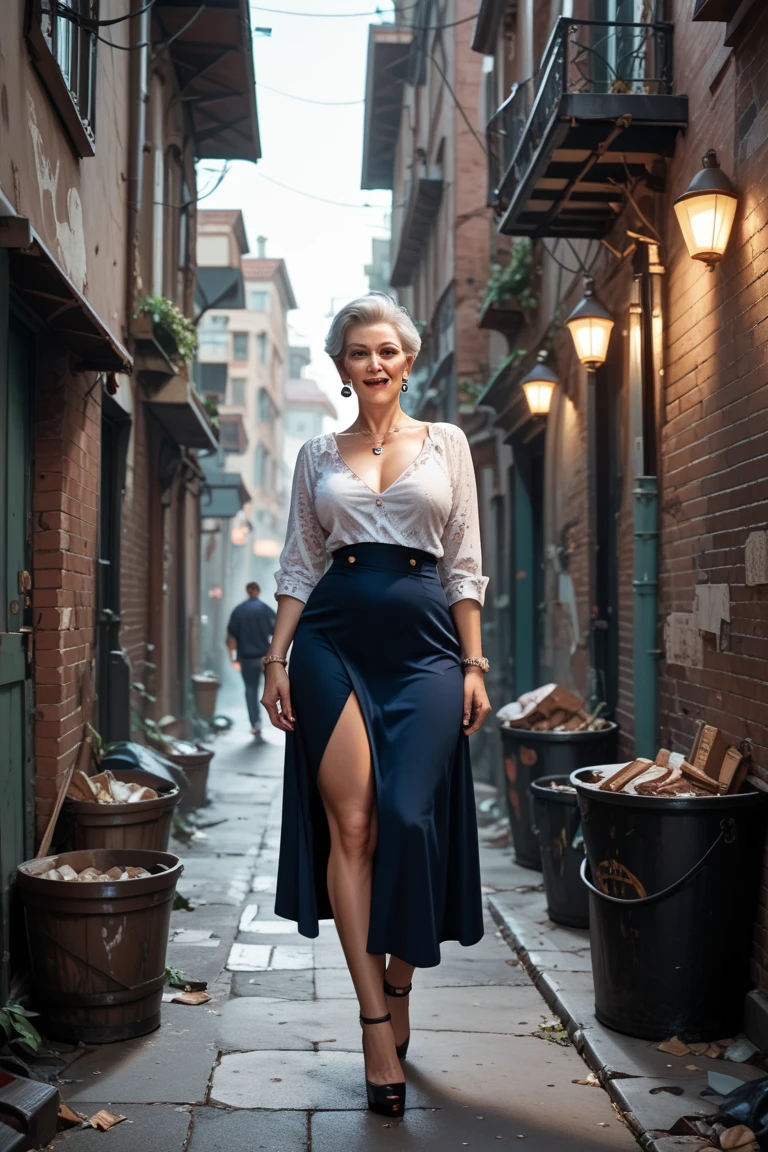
x=715 y=434
x=472 y=233
x=67 y=431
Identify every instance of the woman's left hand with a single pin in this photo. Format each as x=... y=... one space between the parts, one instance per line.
x=476 y=702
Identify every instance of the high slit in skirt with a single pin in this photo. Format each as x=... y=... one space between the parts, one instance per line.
x=378 y=624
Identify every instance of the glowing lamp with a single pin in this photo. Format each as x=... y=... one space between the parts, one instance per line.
x=538 y=386
x=590 y=325
x=705 y=212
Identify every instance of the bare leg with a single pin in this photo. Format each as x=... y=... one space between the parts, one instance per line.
x=346 y=784
x=399 y=975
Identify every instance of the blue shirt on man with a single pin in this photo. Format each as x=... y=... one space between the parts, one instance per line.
x=250 y=626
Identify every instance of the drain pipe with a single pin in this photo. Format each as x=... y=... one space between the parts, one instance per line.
x=645 y=495
x=137 y=134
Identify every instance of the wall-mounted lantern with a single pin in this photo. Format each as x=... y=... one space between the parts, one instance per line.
x=538 y=385
x=590 y=325
x=705 y=212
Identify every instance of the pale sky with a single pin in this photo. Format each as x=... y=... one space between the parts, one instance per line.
x=315 y=149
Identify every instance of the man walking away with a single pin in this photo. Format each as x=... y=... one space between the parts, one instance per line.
x=248 y=636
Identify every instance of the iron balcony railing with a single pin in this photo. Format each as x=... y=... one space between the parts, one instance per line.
x=583 y=56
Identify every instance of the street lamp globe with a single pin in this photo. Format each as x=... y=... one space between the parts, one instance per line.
x=705 y=212
x=590 y=325
x=538 y=386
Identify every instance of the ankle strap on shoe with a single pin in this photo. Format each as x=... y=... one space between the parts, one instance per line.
x=376 y=1019
x=390 y=990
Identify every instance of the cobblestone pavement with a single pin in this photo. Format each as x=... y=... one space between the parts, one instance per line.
x=274 y=1061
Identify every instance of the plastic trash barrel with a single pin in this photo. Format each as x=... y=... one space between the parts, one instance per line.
x=673 y=886
x=558 y=824
x=530 y=755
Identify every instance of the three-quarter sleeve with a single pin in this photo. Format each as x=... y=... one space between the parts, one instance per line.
x=304 y=557
x=460 y=567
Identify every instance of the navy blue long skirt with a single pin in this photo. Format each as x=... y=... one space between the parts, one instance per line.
x=378 y=624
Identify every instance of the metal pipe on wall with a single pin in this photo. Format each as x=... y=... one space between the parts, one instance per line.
x=137 y=134
x=645 y=494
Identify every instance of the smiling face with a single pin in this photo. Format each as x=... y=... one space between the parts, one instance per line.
x=374 y=362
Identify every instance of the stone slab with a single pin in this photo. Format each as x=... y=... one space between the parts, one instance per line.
x=290 y=1080
x=657 y=1105
x=146 y=1126
x=455 y=1128
x=287 y=984
x=171 y=1065
x=217 y=1130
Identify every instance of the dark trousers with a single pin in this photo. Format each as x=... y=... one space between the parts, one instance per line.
x=252 y=673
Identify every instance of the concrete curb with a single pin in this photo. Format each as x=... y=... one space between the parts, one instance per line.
x=598 y=1046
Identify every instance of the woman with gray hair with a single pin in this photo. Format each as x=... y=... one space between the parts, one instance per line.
x=379 y=589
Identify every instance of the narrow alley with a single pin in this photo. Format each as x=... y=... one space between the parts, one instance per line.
x=274 y=1062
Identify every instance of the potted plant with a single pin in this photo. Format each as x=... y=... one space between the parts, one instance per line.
x=510 y=294
x=171 y=329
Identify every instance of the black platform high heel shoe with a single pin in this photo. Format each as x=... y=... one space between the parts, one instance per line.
x=386 y=1099
x=398 y=994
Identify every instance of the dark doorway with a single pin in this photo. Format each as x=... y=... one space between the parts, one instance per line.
x=113 y=670
x=16 y=688
x=527 y=504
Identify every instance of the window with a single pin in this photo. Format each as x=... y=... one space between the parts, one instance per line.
x=213 y=340
x=239 y=345
x=237 y=390
x=262 y=466
x=212 y=379
x=64 y=52
x=262 y=343
x=257 y=298
x=232 y=434
x=297 y=362
x=264 y=413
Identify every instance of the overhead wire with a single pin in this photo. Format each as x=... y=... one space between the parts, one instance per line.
x=65 y=13
x=321 y=199
x=308 y=99
x=331 y=15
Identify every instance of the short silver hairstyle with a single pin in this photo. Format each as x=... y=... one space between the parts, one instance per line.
x=375 y=308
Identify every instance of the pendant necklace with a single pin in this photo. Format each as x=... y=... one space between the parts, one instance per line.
x=378 y=444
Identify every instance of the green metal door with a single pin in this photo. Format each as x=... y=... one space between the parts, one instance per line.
x=16 y=379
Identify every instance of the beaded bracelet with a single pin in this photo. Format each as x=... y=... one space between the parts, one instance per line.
x=273 y=660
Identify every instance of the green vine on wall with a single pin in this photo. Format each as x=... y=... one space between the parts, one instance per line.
x=513 y=280
x=170 y=322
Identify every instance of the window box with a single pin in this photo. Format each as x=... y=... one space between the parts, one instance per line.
x=64 y=54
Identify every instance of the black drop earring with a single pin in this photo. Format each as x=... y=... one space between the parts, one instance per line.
x=346 y=390
x=404 y=385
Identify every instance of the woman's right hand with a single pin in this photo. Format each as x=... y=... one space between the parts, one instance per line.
x=277 y=690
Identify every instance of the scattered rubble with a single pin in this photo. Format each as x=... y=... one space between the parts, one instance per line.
x=105 y=789
x=551 y=708
x=93 y=876
x=712 y=769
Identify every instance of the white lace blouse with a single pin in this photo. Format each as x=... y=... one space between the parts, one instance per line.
x=432 y=506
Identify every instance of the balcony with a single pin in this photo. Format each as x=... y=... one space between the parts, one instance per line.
x=593 y=121
x=422 y=204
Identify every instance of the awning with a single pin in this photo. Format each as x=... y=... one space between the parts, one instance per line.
x=489 y=18
x=177 y=406
x=219 y=288
x=223 y=495
x=422 y=208
x=213 y=58
x=48 y=292
x=388 y=52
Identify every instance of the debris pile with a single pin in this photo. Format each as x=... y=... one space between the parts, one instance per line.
x=712 y=769
x=551 y=708
x=93 y=876
x=105 y=789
